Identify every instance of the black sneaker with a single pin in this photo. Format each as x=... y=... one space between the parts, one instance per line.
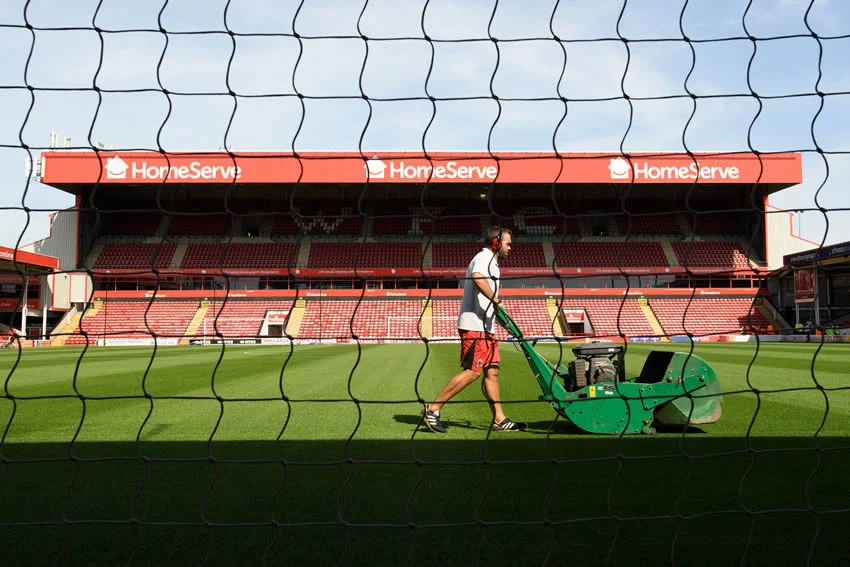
x=508 y=425
x=432 y=420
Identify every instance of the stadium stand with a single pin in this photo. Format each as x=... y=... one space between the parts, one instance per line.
x=646 y=225
x=134 y=320
x=130 y=224
x=457 y=226
x=445 y=313
x=721 y=223
x=711 y=254
x=706 y=316
x=403 y=218
x=458 y=255
x=375 y=319
x=285 y=225
x=531 y=315
x=610 y=254
x=533 y=220
x=242 y=255
x=603 y=315
x=363 y=255
x=319 y=219
x=135 y=255
x=237 y=318
x=199 y=225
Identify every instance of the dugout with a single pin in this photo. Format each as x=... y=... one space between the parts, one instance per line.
x=27 y=282
x=812 y=288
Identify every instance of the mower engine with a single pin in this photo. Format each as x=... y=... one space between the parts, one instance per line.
x=595 y=363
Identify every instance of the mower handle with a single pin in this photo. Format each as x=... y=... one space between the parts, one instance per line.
x=505 y=320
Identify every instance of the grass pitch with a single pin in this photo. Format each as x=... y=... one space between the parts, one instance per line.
x=225 y=455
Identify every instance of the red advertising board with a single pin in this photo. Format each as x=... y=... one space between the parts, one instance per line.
x=8 y=304
x=418 y=273
x=804 y=286
x=59 y=168
x=556 y=292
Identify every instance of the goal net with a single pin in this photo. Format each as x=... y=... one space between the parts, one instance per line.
x=126 y=136
x=238 y=329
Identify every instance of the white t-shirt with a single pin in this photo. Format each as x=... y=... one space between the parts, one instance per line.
x=476 y=309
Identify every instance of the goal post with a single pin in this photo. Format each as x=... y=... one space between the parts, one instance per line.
x=236 y=328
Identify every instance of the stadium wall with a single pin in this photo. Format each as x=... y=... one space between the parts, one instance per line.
x=780 y=239
x=62 y=241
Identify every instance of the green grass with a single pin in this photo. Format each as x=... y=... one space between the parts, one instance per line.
x=241 y=454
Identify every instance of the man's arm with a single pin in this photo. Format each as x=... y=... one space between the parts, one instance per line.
x=483 y=284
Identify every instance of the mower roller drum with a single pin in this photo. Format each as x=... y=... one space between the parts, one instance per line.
x=592 y=392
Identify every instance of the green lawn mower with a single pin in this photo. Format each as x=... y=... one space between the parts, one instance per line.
x=593 y=393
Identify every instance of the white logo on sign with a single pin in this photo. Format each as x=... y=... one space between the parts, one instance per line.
x=375 y=168
x=619 y=168
x=449 y=170
x=116 y=168
x=644 y=170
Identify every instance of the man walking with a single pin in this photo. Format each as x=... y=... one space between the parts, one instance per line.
x=479 y=349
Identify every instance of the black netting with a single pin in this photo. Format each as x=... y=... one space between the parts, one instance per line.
x=237 y=367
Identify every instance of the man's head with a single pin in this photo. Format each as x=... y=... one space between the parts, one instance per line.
x=499 y=239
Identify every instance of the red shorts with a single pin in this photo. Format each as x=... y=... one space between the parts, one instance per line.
x=478 y=350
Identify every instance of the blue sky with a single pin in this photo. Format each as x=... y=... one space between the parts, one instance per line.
x=62 y=57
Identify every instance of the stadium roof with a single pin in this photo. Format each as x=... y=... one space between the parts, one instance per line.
x=826 y=255
x=74 y=171
x=29 y=262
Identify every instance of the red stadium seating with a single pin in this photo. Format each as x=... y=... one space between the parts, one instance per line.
x=444 y=313
x=238 y=318
x=396 y=226
x=650 y=225
x=420 y=224
x=533 y=220
x=609 y=254
x=310 y=218
x=398 y=319
x=531 y=315
x=135 y=255
x=711 y=254
x=366 y=255
x=405 y=218
x=374 y=319
x=130 y=224
x=285 y=225
x=453 y=226
x=136 y=320
x=705 y=316
x=720 y=223
x=199 y=225
x=608 y=320
x=458 y=255
x=240 y=255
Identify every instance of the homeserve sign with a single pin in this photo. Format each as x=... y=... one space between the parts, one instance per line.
x=117 y=168
x=621 y=169
x=378 y=169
